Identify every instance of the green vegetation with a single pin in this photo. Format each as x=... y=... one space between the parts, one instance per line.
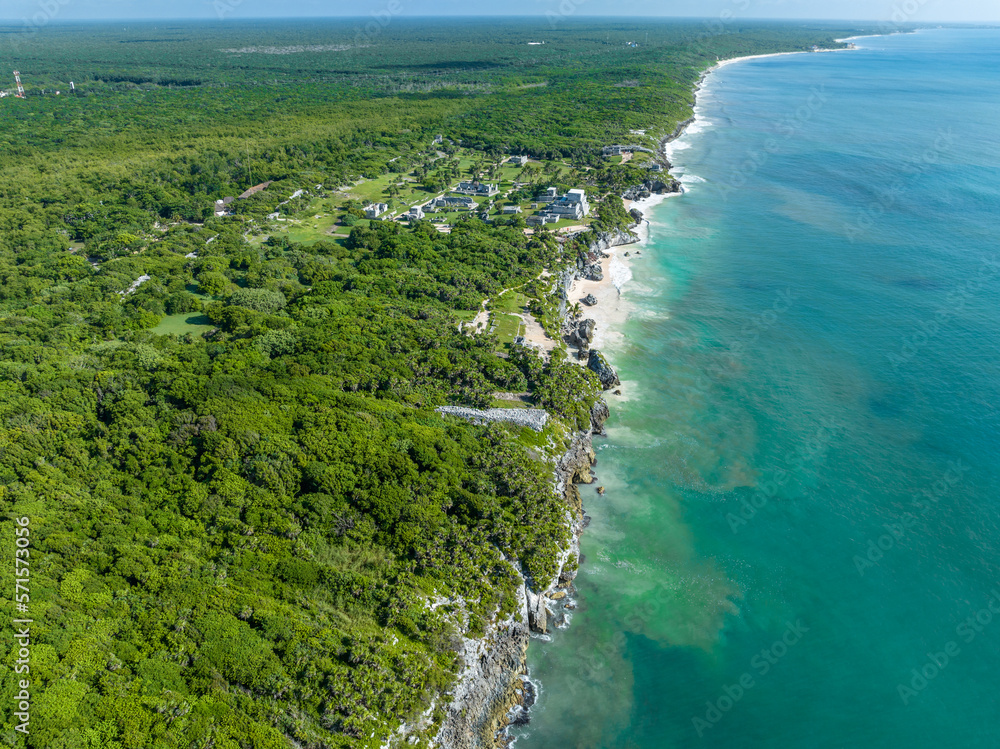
x=242 y=502
x=183 y=323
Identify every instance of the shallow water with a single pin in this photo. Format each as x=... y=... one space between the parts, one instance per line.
x=802 y=483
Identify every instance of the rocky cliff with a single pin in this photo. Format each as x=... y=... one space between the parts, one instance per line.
x=489 y=684
x=651 y=187
x=491 y=692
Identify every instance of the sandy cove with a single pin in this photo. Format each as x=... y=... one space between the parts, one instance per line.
x=613 y=307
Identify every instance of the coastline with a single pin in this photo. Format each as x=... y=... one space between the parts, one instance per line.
x=495 y=666
x=613 y=307
x=645 y=466
x=684 y=126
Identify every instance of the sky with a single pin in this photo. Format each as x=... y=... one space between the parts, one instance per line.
x=874 y=10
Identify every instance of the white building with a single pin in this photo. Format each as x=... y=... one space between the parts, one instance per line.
x=579 y=196
x=572 y=205
x=477 y=188
x=518 y=160
x=454 y=202
x=416 y=213
x=376 y=209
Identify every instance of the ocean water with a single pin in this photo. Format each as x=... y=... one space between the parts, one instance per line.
x=800 y=541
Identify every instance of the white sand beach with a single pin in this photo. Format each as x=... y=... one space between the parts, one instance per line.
x=613 y=306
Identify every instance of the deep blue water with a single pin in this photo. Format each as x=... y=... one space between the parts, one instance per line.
x=803 y=483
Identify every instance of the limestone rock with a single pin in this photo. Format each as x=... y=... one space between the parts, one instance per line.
x=651 y=186
x=487 y=688
x=604 y=371
x=599 y=413
x=574 y=468
x=583 y=334
x=538 y=615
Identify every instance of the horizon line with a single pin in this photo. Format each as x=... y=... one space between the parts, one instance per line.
x=528 y=17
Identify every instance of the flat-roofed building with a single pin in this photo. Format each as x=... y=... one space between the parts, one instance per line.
x=477 y=188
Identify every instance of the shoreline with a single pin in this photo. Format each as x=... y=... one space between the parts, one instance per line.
x=514 y=691
x=613 y=310
x=684 y=126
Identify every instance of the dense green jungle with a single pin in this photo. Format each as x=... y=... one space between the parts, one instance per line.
x=240 y=498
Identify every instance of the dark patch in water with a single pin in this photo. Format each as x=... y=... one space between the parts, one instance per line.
x=915 y=283
x=885 y=407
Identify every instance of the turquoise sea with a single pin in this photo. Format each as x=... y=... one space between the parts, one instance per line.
x=800 y=542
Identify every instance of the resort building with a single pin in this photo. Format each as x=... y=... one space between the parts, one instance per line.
x=572 y=205
x=454 y=202
x=540 y=219
x=375 y=210
x=477 y=188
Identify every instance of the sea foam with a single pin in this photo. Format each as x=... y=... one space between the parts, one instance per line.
x=620 y=273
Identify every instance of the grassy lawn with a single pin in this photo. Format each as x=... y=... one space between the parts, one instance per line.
x=512 y=301
x=410 y=193
x=373 y=190
x=186 y=322
x=508 y=327
x=564 y=222
x=464 y=162
x=307 y=230
x=509 y=173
